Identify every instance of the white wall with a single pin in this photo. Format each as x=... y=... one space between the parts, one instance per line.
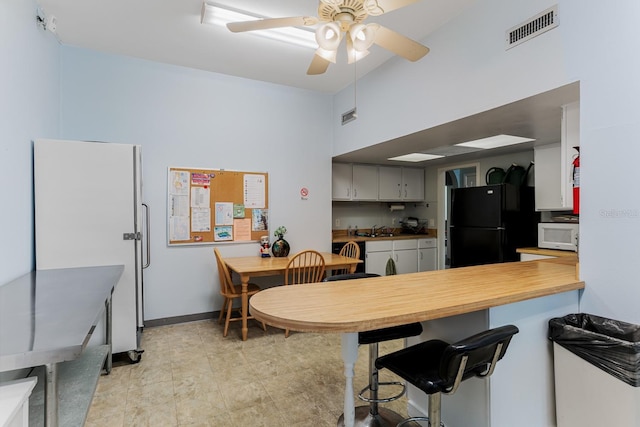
x=191 y=118
x=29 y=102
x=468 y=71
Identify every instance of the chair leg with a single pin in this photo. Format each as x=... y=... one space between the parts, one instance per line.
x=286 y=333
x=223 y=310
x=228 y=319
x=264 y=326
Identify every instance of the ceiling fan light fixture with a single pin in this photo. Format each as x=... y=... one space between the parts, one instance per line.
x=329 y=36
x=353 y=54
x=329 y=55
x=362 y=36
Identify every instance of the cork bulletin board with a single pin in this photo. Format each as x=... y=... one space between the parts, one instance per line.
x=208 y=206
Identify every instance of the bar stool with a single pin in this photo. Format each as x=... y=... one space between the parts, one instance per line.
x=372 y=415
x=436 y=367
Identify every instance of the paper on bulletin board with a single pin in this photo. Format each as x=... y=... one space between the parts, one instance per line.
x=200 y=197
x=179 y=228
x=222 y=233
x=242 y=229
x=260 y=220
x=224 y=213
x=179 y=183
x=200 y=219
x=254 y=191
x=179 y=205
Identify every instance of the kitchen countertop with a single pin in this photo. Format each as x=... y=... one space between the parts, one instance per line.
x=413 y=297
x=547 y=252
x=342 y=238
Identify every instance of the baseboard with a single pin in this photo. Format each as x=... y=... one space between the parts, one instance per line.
x=181 y=319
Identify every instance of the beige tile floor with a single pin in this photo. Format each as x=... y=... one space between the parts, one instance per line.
x=190 y=375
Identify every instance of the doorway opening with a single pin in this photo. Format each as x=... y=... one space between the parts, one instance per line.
x=450 y=177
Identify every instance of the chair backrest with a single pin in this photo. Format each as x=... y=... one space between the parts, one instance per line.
x=475 y=356
x=351 y=250
x=305 y=267
x=223 y=273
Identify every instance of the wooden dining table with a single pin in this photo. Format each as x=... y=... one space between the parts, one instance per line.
x=253 y=266
x=372 y=303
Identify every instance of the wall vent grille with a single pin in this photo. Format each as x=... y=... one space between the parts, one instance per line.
x=349 y=116
x=533 y=27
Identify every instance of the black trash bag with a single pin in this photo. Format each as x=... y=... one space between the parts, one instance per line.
x=610 y=345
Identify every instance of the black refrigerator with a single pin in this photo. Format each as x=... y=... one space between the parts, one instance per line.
x=489 y=223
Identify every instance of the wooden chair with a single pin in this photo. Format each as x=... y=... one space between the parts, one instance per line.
x=230 y=292
x=304 y=267
x=351 y=250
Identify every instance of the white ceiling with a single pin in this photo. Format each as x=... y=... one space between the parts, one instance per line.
x=169 y=31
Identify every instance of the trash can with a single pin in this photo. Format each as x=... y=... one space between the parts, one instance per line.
x=597 y=371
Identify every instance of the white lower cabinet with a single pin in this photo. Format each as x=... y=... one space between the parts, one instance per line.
x=427 y=254
x=403 y=252
x=378 y=254
x=405 y=255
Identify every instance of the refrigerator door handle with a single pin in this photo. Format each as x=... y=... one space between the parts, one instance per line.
x=147 y=232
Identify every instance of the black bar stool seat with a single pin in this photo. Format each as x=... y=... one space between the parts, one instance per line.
x=437 y=367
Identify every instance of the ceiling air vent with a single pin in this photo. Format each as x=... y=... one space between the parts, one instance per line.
x=535 y=26
x=349 y=116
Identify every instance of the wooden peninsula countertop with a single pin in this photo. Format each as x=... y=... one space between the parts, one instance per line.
x=366 y=304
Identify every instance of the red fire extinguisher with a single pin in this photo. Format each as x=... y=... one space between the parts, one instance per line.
x=576 y=182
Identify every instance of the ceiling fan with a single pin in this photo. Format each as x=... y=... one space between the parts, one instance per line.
x=340 y=19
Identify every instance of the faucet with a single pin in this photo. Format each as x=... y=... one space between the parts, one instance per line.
x=373 y=230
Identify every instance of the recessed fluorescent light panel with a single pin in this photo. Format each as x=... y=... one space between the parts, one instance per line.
x=495 y=142
x=415 y=157
x=216 y=14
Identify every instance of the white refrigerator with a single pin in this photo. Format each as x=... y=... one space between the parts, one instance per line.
x=89 y=212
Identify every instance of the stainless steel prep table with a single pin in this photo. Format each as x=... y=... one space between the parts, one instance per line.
x=48 y=316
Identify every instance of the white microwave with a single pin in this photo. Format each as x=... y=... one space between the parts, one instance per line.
x=557 y=235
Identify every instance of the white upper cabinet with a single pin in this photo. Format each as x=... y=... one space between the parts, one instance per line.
x=554 y=165
x=341 y=180
x=390 y=183
x=354 y=182
x=365 y=182
x=400 y=183
x=413 y=184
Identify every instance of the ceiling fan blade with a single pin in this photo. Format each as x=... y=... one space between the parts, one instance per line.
x=378 y=7
x=268 y=23
x=399 y=44
x=318 y=65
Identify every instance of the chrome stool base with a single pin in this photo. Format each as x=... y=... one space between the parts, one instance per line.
x=364 y=418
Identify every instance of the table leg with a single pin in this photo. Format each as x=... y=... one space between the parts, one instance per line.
x=245 y=305
x=349 y=357
x=51 y=395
